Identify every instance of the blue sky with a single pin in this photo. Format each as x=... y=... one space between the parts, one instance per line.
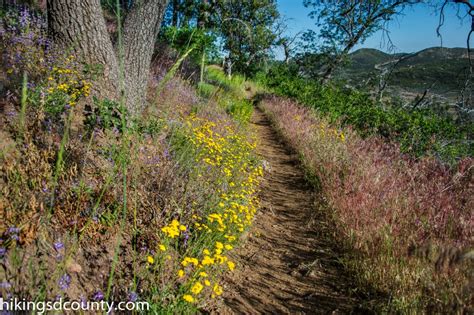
x=413 y=31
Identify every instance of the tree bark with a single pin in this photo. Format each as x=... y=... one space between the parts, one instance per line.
x=140 y=32
x=78 y=26
x=175 y=13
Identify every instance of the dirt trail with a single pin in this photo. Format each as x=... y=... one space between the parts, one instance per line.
x=288 y=264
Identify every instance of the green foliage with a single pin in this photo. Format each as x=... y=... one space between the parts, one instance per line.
x=419 y=131
x=241 y=110
x=230 y=93
x=106 y=114
x=206 y=90
x=234 y=85
x=344 y=24
x=445 y=66
x=246 y=28
x=151 y=126
x=185 y=38
x=181 y=13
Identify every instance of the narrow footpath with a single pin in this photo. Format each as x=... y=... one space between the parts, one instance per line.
x=288 y=264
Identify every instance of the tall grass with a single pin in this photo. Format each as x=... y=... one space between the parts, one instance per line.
x=24 y=98
x=409 y=220
x=124 y=149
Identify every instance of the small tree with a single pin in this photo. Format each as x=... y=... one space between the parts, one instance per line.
x=246 y=28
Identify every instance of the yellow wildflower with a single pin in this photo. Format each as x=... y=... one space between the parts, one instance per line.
x=188 y=298
x=189 y=260
x=217 y=289
x=197 y=288
x=207 y=261
x=150 y=259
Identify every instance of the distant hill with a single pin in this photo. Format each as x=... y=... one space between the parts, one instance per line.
x=441 y=69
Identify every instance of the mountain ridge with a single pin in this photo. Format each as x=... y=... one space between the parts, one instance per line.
x=440 y=69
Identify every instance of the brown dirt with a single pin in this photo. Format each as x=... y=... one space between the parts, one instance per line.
x=289 y=262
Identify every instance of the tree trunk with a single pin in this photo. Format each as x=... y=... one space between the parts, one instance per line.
x=78 y=26
x=175 y=13
x=140 y=32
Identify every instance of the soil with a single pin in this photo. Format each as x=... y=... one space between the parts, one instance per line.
x=289 y=263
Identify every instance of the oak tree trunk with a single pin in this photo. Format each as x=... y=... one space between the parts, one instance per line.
x=141 y=29
x=78 y=26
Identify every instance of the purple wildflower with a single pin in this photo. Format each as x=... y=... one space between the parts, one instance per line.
x=3 y=251
x=83 y=300
x=58 y=246
x=98 y=296
x=186 y=237
x=11 y=114
x=5 y=285
x=13 y=230
x=64 y=282
x=132 y=296
x=44 y=188
x=24 y=17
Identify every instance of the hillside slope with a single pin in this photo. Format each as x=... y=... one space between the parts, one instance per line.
x=439 y=69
